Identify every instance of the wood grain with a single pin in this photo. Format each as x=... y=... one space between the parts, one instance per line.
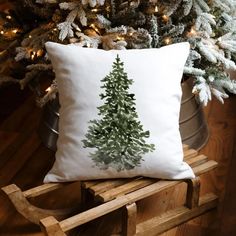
x=21 y=124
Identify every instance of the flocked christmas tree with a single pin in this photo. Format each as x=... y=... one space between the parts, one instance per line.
x=118 y=137
x=208 y=25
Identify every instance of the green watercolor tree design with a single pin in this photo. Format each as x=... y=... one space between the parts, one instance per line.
x=118 y=136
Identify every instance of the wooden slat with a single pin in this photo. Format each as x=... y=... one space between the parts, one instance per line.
x=205 y=167
x=107 y=185
x=89 y=183
x=45 y=188
x=137 y=184
x=121 y=201
x=6 y=138
x=175 y=217
x=98 y=186
x=19 y=159
x=115 y=204
x=185 y=147
x=195 y=161
x=190 y=153
x=125 y=188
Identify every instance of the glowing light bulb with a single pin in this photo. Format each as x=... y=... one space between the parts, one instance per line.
x=14 y=31
x=2 y=32
x=167 y=41
x=48 y=89
x=165 y=18
x=94 y=10
x=9 y=17
x=95 y=28
x=33 y=54
x=156 y=9
x=30 y=36
x=120 y=38
x=39 y=53
x=193 y=31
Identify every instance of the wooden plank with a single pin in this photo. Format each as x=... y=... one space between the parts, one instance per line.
x=89 y=183
x=17 y=121
x=6 y=138
x=45 y=188
x=106 y=185
x=125 y=188
x=190 y=153
x=19 y=159
x=129 y=219
x=121 y=201
x=198 y=160
x=205 y=167
x=175 y=217
x=115 y=204
x=23 y=121
x=185 y=147
x=137 y=184
x=98 y=186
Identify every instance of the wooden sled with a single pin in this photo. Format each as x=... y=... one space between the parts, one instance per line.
x=111 y=195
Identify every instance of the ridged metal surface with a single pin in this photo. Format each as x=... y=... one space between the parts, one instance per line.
x=193 y=127
x=48 y=127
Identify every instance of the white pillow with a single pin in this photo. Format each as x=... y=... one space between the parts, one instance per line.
x=115 y=146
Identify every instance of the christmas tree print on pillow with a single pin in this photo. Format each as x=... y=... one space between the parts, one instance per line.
x=118 y=136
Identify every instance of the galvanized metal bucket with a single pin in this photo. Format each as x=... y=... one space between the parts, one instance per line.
x=48 y=127
x=193 y=126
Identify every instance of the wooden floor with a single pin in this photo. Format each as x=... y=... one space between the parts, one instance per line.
x=24 y=161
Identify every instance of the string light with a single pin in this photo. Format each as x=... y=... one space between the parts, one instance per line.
x=156 y=9
x=8 y=17
x=94 y=10
x=165 y=18
x=14 y=31
x=30 y=36
x=39 y=53
x=95 y=28
x=192 y=32
x=131 y=33
x=120 y=38
x=48 y=89
x=33 y=54
x=167 y=40
x=78 y=29
x=2 y=32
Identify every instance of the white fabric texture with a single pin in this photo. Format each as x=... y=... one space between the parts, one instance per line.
x=156 y=75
